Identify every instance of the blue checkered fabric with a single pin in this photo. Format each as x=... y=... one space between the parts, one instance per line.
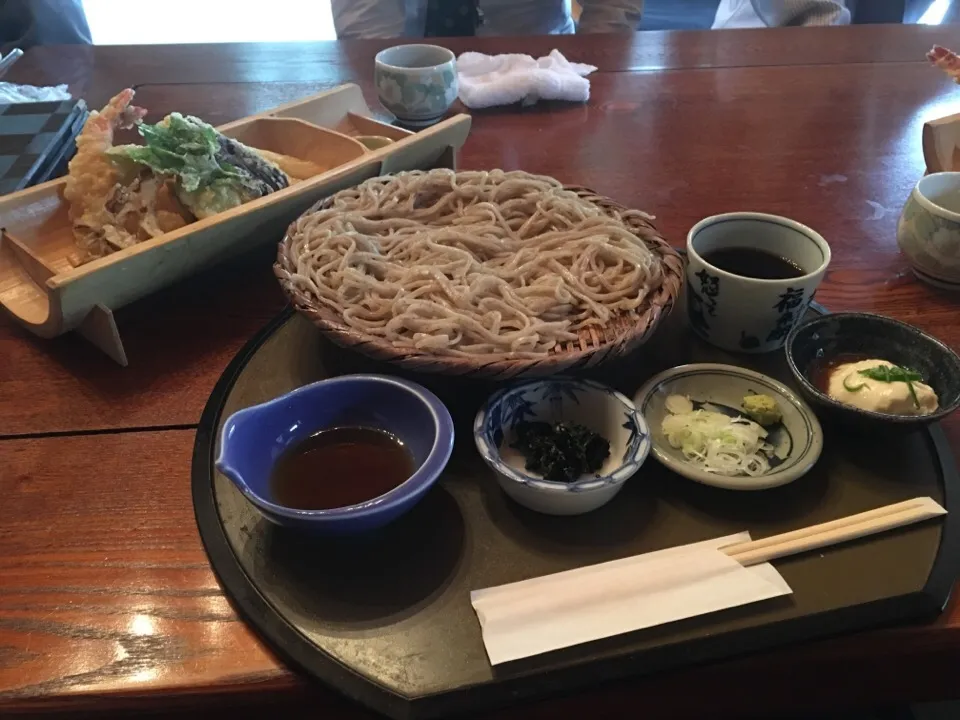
x=37 y=140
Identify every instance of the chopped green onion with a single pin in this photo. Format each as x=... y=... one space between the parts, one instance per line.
x=891 y=374
x=913 y=393
x=855 y=388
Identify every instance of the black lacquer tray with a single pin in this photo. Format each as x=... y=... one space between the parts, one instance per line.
x=386 y=618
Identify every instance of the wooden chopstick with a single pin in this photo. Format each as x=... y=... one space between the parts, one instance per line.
x=835 y=531
x=834 y=524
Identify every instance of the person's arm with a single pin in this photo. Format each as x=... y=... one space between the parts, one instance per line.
x=599 y=16
x=779 y=13
x=369 y=18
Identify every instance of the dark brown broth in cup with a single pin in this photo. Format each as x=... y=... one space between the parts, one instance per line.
x=339 y=467
x=753 y=263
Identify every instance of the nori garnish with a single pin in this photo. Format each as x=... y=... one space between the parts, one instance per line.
x=560 y=452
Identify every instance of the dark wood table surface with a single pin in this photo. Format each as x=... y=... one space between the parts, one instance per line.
x=107 y=602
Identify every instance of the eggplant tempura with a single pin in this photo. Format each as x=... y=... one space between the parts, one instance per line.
x=122 y=195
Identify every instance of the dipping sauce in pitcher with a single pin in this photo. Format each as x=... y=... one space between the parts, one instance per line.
x=339 y=467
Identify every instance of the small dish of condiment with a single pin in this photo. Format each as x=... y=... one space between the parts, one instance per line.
x=561 y=446
x=729 y=427
x=340 y=456
x=874 y=369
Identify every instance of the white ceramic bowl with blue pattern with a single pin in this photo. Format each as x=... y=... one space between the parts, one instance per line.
x=597 y=407
x=751 y=314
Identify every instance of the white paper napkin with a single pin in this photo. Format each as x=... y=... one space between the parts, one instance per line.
x=568 y=608
x=10 y=93
x=488 y=80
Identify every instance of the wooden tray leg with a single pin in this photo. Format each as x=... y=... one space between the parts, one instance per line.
x=448 y=158
x=100 y=328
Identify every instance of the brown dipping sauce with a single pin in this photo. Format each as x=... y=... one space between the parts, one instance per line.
x=339 y=467
x=823 y=369
x=753 y=263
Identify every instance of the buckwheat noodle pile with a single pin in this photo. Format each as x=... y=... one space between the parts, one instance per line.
x=468 y=263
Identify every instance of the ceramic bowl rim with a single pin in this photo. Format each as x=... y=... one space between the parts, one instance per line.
x=928 y=204
x=828 y=401
x=379 y=62
x=783 y=477
x=624 y=470
x=422 y=478
x=809 y=232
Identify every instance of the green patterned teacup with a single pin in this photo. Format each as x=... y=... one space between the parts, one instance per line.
x=929 y=230
x=417 y=83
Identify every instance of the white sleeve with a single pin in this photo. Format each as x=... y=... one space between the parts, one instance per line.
x=778 y=13
x=599 y=16
x=369 y=18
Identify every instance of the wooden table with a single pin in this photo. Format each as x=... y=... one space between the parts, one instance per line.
x=107 y=603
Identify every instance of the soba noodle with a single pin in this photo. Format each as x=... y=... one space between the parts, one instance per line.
x=469 y=262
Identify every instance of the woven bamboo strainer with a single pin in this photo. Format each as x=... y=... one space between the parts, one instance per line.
x=625 y=333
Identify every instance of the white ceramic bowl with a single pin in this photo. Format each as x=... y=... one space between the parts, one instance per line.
x=798 y=439
x=928 y=232
x=599 y=408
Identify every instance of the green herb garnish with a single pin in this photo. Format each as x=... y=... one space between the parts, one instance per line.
x=891 y=374
x=560 y=452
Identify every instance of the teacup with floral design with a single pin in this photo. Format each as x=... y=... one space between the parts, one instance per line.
x=749 y=313
x=417 y=83
x=929 y=229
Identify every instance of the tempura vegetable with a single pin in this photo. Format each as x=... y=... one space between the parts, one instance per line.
x=123 y=195
x=212 y=172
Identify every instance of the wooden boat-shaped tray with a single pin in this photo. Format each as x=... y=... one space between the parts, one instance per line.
x=43 y=291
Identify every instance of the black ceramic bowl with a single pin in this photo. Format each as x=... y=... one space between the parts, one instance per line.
x=821 y=339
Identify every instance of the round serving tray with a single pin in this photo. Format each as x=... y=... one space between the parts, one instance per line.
x=386 y=618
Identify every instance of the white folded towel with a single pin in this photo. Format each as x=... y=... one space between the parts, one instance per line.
x=10 y=93
x=488 y=80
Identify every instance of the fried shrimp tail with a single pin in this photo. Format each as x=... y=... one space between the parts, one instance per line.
x=946 y=60
x=92 y=177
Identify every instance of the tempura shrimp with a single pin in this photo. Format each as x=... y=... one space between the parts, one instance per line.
x=946 y=60
x=92 y=176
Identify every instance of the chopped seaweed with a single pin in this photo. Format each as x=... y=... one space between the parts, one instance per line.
x=560 y=452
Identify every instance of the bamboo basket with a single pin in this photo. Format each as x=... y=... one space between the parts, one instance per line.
x=41 y=290
x=623 y=335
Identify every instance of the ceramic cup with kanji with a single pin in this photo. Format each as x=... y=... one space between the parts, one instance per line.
x=750 y=279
